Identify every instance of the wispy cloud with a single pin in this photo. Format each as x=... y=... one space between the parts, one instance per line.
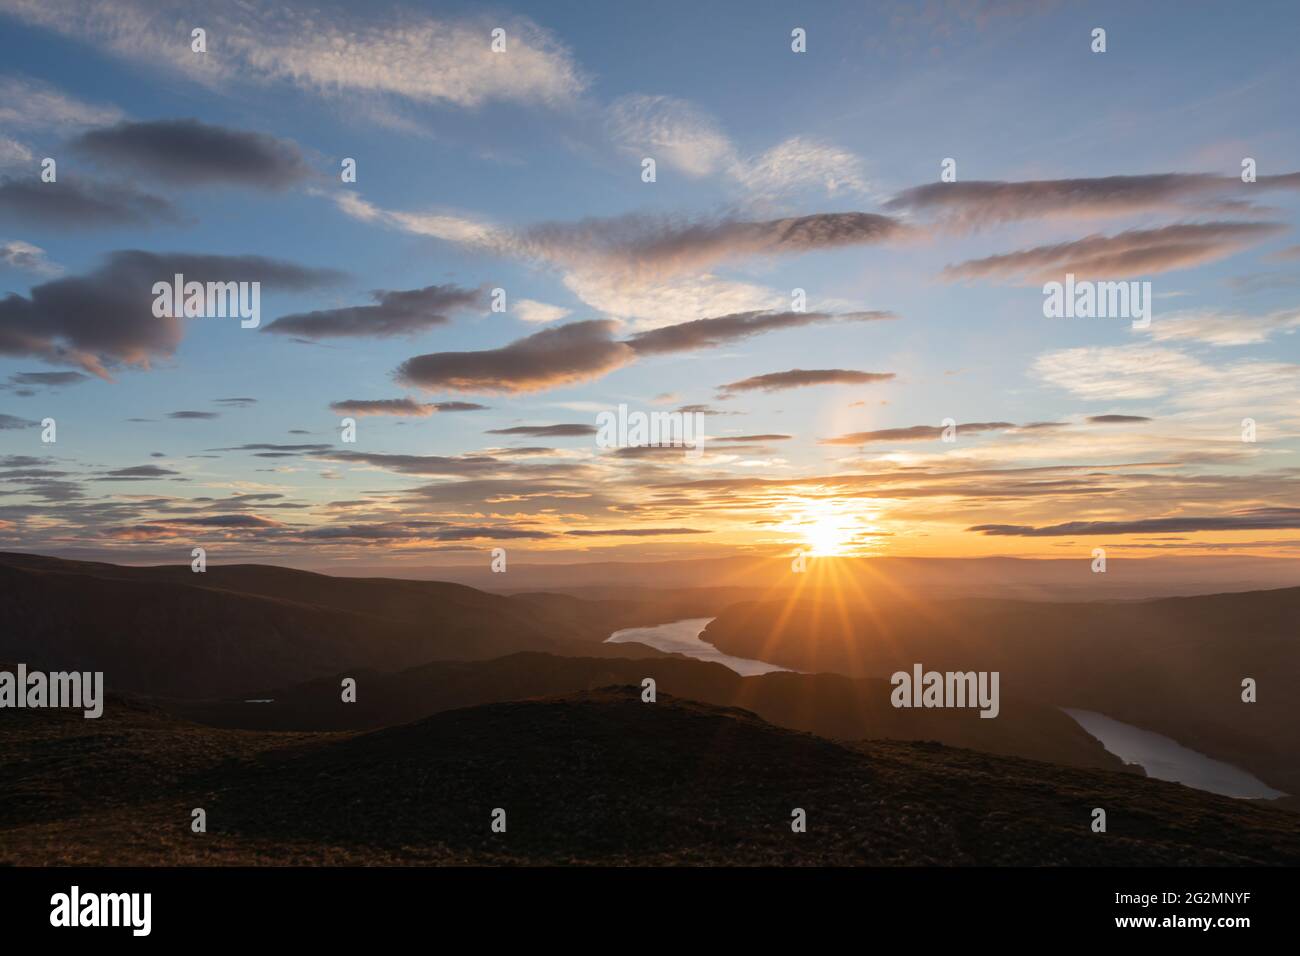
x=683 y=137
x=655 y=269
x=1256 y=519
x=394 y=313
x=802 y=378
x=708 y=333
x=1224 y=327
x=401 y=407
x=26 y=103
x=1131 y=253
x=25 y=257
x=914 y=433
x=547 y=431
x=407 y=55
x=973 y=203
x=540 y=313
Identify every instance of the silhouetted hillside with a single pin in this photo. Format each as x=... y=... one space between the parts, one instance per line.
x=1173 y=665
x=827 y=704
x=599 y=777
x=168 y=630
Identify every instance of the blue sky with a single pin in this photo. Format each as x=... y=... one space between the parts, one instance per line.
x=535 y=154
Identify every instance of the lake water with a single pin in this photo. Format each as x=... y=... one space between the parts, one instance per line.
x=1166 y=759
x=1161 y=757
x=683 y=637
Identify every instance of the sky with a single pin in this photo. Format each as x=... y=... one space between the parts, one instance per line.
x=918 y=172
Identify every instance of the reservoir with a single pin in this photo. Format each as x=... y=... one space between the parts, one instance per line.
x=683 y=637
x=1166 y=759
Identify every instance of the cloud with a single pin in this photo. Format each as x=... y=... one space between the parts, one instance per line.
x=141 y=471
x=529 y=310
x=224 y=521
x=583 y=351
x=194 y=416
x=631 y=532
x=457 y=407
x=1224 y=328
x=13 y=153
x=10 y=423
x=26 y=257
x=240 y=402
x=466 y=533
x=462 y=230
x=657 y=269
x=47 y=379
x=799 y=378
x=1255 y=519
x=648 y=267
x=708 y=333
x=657 y=247
x=649 y=247
x=974 y=203
x=547 y=431
x=1135 y=252
x=565 y=355
x=411 y=56
x=31 y=104
x=1142 y=372
x=394 y=313
x=671 y=131
x=186 y=152
x=401 y=407
x=1264 y=281
x=105 y=318
x=914 y=433
x=681 y=136
x=802 y=163
x=432 y=465
x=702 y=410
x=79 y=203
x=665 y=301
x=273 y=447
x=1116 y=419
x=1118 y=372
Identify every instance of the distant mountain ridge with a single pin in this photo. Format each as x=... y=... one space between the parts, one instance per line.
x=171 y=631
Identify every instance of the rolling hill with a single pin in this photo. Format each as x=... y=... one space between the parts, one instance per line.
x=1172 y=665
x=170 y=631
x=826 y=704
x=592 y=778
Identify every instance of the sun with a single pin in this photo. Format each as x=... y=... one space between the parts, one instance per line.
x=828 y=535
x=829 y=528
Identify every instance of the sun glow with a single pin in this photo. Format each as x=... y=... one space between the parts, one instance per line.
x=832 y=528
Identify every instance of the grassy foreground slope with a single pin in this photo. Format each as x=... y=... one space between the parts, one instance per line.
x=596 y=777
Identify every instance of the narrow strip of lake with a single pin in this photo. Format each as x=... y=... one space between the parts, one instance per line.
x=683 y=637
x=1166 y=759
x=1161 y=757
